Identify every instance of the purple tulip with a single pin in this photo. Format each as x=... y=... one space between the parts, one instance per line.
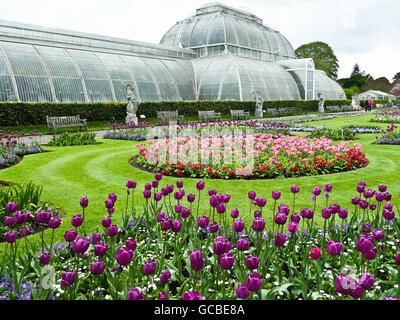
x=191 y=198
x=326 y=213
x=68 y=278
x=163 y=296
x=147 y=194
x=254 y=282
x=382 y=188
x=283 y=208
x=366 y=228
x=165 y=277
x=238 y=226
x=54 y=223
x=193 y=295
x=364 y=243
x=109 y=204
x=77 y=220
x=294 y=189
x=96 y=238
x=280 y=240
x=397 y=259
x=200 y=185
x=243 y=244
x=388 y=196
x=170 y=188
x=19 y=217
x=356 y=200
x=295 y=218
x=360 y=188
x=179 y=184
x=45 y=258
x=81 y=245
x=106 y=222
x=257 y=214
x=343 y=214
x=364 y=204
x=235 y=213
x=293 y=227
x=147 y=187
x=388 y=215
x=369 y=193
x=280 y=218
x=212 y=192
x=10 y=236
x=328 y=188
x=388 y=206
x=97 y=268
x=150 y=267
x=24 y=231
x=161 y=216
x=158 y=196
x=176 y=226
x=214 y=201
x=154 y=184
x=221 y=208
x=9 y=221
x=242 y=292
x=334 y=208
x=136 y=294
x=307 y=214
x=344 y=284
x=226 y=261
x=131 y=244
x=100 y=249
x=276 y=195
x=11 y=207
x=252 y=262
x=112 y=231
x=124 y=256
x=367 y=280
x=158 y=176
x=131 y=185
x=70 y=235
x=371 y=254
x=378 y=234
x=196 y=260
x=357 y=292
x=252 y=195
x=316 y=191
x=84 y=202
x=214 y=227
x=43 y=216
x=203 y=222
x=166 y=225
x=334 y=247
x=261 y=202
x=178 y=208
x=379 y=196
x=220 y=246
x=258 y=225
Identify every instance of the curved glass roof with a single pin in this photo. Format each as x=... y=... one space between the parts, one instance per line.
x=329 y=88
x=229 y=77
x=42 y=73
x=216 y=24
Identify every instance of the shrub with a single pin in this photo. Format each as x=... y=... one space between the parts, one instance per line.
x=77 y=139
x=21 y=113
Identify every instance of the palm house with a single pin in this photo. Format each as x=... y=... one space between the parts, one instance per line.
x=220 y=53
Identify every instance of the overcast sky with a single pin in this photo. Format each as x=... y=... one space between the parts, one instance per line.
x=366 y=32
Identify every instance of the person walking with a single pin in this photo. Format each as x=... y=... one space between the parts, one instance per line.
x=369 y=103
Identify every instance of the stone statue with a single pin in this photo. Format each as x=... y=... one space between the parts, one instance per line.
x=355 y=103
x=321 y=104
x=133 y=105
x=259 y=107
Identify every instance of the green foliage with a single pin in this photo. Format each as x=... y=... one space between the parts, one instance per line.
x=19 y=113
x=381 y=84
x=334 y=134
x=77 y=139
x=323 y=56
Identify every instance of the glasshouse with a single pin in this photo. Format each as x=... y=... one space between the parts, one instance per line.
x=220 y=53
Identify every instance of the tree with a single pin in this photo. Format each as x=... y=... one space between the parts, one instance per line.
x=396 y=78
x=356 y=70
x=323 y=56
x=396 y=91
x=381 y=84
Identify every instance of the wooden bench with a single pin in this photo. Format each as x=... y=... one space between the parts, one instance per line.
x=65 y=122
x=167 y=116
x=284 y=111
x=206 y=115
x=239 y=114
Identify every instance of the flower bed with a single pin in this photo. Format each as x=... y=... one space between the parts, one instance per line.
x=387 y=117
x=173 y=250
x=12 y=148
x=390 y=136
x=253 y=156
x=74 y=139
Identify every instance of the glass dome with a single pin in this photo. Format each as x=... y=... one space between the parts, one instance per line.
x=229 y=77
x=327 y=87
x=217 y=25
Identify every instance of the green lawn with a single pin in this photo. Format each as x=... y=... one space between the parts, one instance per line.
x=69 y=173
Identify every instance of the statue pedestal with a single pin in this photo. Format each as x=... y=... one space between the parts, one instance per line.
x=132 y=118
x=321 y=110
x=259 y=114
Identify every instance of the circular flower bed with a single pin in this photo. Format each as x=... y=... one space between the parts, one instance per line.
x=251 y=156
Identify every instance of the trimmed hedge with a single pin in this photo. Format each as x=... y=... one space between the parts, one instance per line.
x=21 y=113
